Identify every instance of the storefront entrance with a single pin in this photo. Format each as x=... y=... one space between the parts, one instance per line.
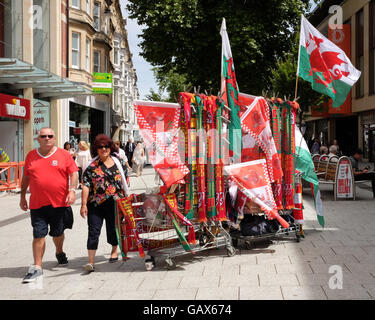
x=85 y=123
x=347 y=134
x=9 y=138
x=369 y=142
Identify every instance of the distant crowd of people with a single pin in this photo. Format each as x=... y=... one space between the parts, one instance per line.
x=133 y=156
x=334 y=150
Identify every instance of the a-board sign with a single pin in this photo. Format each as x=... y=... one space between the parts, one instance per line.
x=345 y=183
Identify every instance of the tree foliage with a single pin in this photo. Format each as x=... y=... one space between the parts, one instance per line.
x=183 y=37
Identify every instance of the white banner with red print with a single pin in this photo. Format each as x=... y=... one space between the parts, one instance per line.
x=252 y=179
x=159 y=124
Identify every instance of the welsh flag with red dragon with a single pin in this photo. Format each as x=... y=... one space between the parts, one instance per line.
x=324 y=65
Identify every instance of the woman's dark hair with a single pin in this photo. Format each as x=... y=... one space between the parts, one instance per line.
x=102 y=140
x=67 y=143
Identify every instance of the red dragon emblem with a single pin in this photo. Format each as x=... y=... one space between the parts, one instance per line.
x=325 y=65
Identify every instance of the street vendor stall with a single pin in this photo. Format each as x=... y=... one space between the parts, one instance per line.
x=228 y=167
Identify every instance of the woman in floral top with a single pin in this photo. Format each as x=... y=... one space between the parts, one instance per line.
x=103 y=184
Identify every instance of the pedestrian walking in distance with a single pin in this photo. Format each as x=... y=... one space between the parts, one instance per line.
x=51 y=174
x=129 y=150
x=104 y=182
x=138 y=159
x=83 y=157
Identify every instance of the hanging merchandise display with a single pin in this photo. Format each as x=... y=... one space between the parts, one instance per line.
x=188 y=128
x=196 y=190
x=283 y=130
x=256 y=122
x=212 y=137
x=193 y=195
x=219 y=164
x=228 y=167
x=201 y=158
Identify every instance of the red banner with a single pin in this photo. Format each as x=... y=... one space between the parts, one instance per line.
x=13 y=107
x=321 y=110
x=341 y=38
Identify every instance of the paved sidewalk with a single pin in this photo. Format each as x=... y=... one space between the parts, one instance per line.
x=282 y=270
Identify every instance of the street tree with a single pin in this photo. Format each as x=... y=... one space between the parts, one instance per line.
x=183 y=37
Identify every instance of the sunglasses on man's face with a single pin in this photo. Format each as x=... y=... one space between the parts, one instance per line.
x=101 y=147
x=44 y=136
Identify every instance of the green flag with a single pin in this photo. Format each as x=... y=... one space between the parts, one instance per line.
x=229 y=92
x=305 y=165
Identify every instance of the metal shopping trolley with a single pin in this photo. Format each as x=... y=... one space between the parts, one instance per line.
x=158 y=232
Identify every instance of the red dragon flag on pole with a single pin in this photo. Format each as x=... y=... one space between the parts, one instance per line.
x=324 y=65
x=229 y=92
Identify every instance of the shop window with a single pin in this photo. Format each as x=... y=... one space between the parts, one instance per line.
x=96 y=61
x=88 y=123
x=76 y=50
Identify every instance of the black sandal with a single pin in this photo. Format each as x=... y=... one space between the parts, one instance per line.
x=111 y=260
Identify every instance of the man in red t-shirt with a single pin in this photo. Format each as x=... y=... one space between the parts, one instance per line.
x=51 y=174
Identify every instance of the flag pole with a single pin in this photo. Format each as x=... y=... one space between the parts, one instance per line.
x=298 y=61
x=295 y=91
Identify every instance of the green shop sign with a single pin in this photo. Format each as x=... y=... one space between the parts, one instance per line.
x=102 y=83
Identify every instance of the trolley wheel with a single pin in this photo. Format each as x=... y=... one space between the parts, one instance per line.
x=235 y=242
x=249 y=245
x=231 y=251
x=298 y=238
x=171 y=264
x=203 y=239
x=150 y=263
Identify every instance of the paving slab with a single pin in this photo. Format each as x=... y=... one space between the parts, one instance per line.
x=281 y=270
x=222 y=293
x=351 y=293
x=260 y=293
x=303 y=293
